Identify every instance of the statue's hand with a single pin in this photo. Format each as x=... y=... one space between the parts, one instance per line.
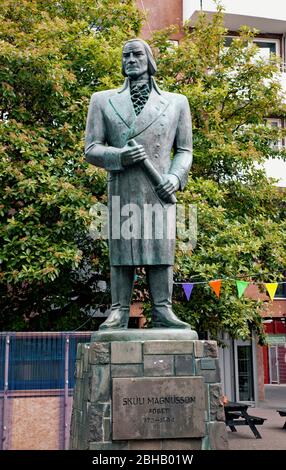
x=169 y=185
x=132 y=154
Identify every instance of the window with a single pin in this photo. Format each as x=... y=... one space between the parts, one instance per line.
x=267 y=47
x=228 y=41
x=277 y=124
x=281 y=291
x=276 y=167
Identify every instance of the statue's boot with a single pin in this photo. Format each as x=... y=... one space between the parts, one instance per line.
x=118 y=318
x=122 y=280
x=164 y=317
x=160 y=280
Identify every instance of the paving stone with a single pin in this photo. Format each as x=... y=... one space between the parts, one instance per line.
x=218 y=436
x=181 y=444
x=99 y=353
x=216 y=404
x=78 y=372
x=148 y=444
x=126 y=352
x=199 y=348
x=184 y=364
x=127 y=370
x=206 y=443
x=95 y=422
x=158 y=365
x=210 y=375
x=107 y=430
x=85 y=350
x=207 y=402
x=210 y=348
x=100 y=383
x=119 y=445
x=168 y=347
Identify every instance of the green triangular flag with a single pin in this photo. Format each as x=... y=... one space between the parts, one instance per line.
x=241 y=286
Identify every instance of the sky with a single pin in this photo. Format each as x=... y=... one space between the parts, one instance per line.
x=275 y=9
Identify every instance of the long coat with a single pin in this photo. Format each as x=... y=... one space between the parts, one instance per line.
x=163 y=125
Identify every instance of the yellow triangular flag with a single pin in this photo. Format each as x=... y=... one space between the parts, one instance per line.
x=271 y=288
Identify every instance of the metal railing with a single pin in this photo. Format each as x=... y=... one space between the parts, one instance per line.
x=34 y=365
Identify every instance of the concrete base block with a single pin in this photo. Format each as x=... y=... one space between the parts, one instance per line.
x=166 y=411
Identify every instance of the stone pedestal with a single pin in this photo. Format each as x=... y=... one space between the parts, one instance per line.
x=134 y=393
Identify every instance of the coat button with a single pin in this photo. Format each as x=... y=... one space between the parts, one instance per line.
x=156 y=155
x=158 y=145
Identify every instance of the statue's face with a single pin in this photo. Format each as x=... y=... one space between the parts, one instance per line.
x=135 y=60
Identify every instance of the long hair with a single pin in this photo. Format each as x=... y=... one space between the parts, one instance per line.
x=152 y=67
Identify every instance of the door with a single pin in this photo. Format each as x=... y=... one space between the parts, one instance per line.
x=273 y=365
x=244 y=371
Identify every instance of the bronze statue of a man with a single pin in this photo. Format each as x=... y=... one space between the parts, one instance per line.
x=131 y=132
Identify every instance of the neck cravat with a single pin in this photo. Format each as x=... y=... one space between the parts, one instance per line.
x=139 y=95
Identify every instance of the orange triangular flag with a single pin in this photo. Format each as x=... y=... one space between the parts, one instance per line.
x=271 y=288
x=216 y=285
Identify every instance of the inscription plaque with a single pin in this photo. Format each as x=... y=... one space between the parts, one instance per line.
x=158 y=408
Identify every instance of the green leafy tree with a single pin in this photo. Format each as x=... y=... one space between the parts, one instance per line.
x=241 y=214
x=53 y=56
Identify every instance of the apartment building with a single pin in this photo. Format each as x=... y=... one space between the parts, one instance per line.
x=245 y=366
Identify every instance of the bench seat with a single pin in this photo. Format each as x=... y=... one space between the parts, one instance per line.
x=257 y=419
x=233 y=414
x=235 y=418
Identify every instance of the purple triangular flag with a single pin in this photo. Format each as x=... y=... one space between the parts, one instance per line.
x=188 y=287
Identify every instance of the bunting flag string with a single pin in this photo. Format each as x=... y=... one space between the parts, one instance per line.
x=241 y=286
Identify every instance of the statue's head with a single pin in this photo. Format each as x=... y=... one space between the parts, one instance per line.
x=137 y=59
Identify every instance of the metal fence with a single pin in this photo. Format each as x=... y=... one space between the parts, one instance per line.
x=36 y=387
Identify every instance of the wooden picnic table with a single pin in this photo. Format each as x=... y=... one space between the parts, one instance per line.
x=236 y=415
